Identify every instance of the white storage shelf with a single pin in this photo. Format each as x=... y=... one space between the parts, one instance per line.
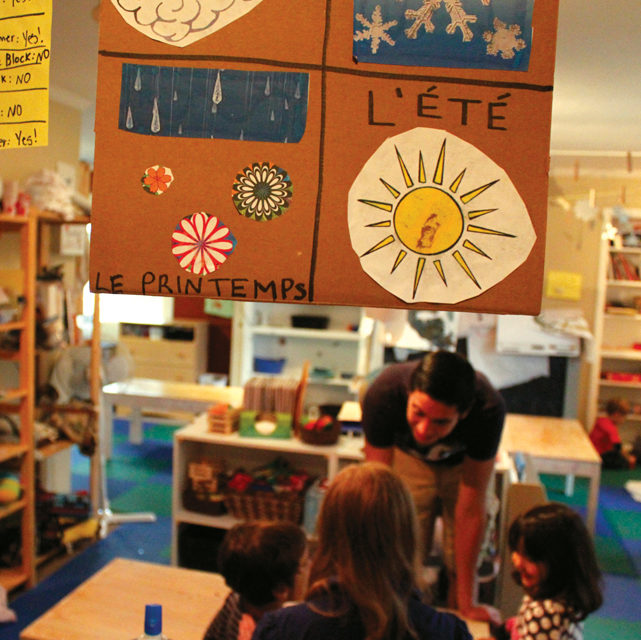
x=347 y=350
x=616 y=332
x=195 y=442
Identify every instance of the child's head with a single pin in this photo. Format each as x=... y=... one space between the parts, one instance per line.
x=617 y=409
x=260 y=560
x=367 y=523
x=367 y=543
x=554 y=557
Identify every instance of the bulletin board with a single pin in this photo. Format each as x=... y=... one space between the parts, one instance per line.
x=379 y=153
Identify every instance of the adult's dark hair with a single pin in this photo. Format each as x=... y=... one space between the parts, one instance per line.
x=446 y=377
x=257 y=557
x=555 y=535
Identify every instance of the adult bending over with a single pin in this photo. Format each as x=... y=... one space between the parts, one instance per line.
x=438 y=423
x=364 y=571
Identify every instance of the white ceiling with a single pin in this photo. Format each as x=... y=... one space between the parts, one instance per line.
x=597 y=88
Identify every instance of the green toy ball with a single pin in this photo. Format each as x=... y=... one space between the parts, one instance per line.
x=9 y=487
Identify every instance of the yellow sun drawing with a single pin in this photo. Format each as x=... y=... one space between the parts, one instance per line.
x=433 y=219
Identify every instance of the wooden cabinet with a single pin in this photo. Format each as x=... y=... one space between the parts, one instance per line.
x=18 y=457
x=195 y=442
x=339 y=355
x=616 y=368
x=176 y=352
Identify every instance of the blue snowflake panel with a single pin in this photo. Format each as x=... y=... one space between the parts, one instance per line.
x=213 y=103
x=474 y=34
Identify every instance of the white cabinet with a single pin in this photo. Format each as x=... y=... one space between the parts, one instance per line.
x=195 y=442
x=339 y=356
x=616 y=369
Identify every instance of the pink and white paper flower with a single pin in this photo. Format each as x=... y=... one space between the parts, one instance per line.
x=201 y=243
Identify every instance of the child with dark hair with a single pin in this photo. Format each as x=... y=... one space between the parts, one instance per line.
x=260 y=562
x=555 y=563
x=606 y=439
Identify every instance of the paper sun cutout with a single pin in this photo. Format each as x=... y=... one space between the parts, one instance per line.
x=414 y=213
x=201 y=243
x=181 y=22
x=262 y=192
x=157 y=180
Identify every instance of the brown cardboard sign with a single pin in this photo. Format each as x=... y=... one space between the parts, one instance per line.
x=388 y=153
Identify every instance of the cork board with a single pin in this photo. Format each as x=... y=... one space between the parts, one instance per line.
x=387 y=153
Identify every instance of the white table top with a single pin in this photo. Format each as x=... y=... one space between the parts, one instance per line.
x=148 y=388
x=548 y=437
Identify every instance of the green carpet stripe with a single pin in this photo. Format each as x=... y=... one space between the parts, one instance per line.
x=148 y=497
x=609 y=629
x=612 y=557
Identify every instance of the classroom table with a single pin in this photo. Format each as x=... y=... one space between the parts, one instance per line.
x=111 y=604
x=559 y=446
x=161 y=396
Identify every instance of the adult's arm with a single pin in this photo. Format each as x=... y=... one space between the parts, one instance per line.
x=379 y=454
x=469 y=527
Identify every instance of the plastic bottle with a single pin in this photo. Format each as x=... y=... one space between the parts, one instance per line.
x=153 y=623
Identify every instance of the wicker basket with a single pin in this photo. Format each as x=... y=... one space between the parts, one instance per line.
x=263 y=505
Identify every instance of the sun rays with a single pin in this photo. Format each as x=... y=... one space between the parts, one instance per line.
x=430 y=219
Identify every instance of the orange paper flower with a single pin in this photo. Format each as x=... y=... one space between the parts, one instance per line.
x=157 y=180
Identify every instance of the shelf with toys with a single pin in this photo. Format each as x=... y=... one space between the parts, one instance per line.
x=226 y=464
x=616 y=371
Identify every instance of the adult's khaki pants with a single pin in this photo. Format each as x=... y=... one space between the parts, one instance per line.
x=435 y=490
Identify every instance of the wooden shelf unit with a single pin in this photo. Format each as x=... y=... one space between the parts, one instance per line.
x=47 y=221
x=21 y=400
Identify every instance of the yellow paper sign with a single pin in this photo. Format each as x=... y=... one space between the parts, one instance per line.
x=25 y=39
x=564 y=285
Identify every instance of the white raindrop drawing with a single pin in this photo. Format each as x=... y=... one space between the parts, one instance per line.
x=155 y=118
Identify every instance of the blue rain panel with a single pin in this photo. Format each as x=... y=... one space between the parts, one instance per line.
x=180 y=102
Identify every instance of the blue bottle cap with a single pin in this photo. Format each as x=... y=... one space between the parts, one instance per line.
x=153 y=619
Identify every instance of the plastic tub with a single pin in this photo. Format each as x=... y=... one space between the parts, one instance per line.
x=268 y=365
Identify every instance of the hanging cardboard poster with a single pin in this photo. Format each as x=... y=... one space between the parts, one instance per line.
x=379 y=153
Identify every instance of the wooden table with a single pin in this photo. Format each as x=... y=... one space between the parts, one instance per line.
x=558 y=446
x=111 y=604
x=160 y=396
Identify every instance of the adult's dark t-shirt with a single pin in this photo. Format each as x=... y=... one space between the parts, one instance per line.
x=385 y=420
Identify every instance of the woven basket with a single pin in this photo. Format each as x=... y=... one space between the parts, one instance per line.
x=263 y=505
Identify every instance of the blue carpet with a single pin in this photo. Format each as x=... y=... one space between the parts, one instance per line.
x=138 y=479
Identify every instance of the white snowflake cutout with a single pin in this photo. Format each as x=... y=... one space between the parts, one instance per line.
x=504 y=40
x=375 y=30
